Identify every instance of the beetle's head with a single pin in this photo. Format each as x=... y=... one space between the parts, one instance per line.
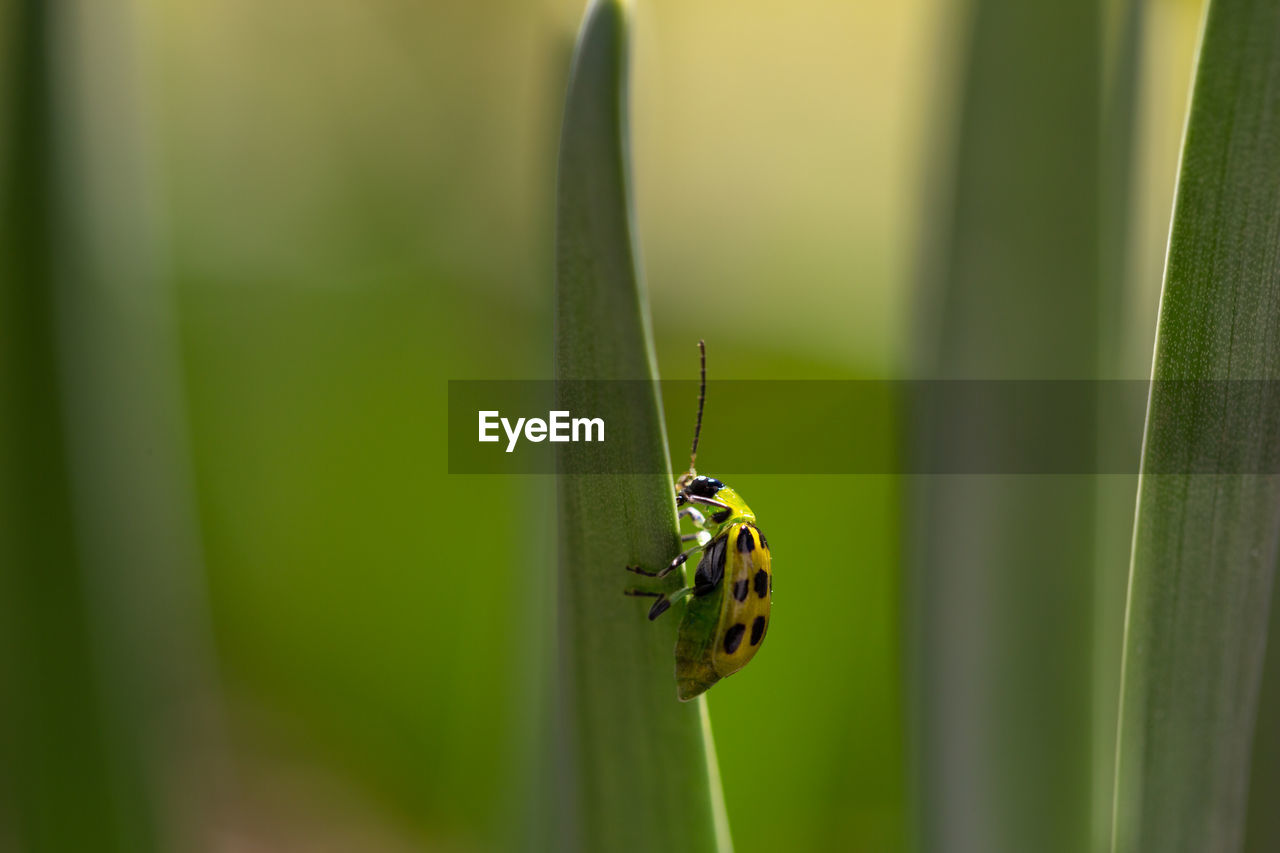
x=696 y=485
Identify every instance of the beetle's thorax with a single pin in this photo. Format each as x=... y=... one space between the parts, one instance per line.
x=739 y=511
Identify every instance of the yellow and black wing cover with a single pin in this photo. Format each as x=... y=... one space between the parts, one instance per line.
x=723 y=628
x=748 y=587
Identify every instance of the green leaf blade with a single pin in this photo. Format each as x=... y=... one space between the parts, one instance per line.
x=1205 y=544
x=637 y=766
x=999 y=588
x=104 y=649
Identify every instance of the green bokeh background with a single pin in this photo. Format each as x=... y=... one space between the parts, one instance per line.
x=357 y=206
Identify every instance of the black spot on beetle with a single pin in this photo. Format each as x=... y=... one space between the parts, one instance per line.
x=740 y=589
x=746 y=543
x=733 y=638
x=757 y=630
x=764 y=543
x=722 y=516
x=762 y=583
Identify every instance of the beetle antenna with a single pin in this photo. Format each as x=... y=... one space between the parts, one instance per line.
x=702 y=399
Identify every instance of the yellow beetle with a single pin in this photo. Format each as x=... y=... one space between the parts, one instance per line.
x=727 y=615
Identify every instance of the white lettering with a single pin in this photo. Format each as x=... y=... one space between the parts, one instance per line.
x=486 y=424
x=587 y=424
x=512 y=434
x=559 y=426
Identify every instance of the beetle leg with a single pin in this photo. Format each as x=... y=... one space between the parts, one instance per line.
x=693 y=515
x=680 y=560
x=708 y=502
x=703 y=536
x=671 y=567
x=723 y=509
x=664 y=601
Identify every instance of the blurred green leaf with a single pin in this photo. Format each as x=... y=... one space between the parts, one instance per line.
x=1000 y=582
x=638 y=768
x=1205 y=545
x=55 y=752
x=106 y=682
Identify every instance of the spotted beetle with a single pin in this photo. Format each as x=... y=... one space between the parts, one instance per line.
x=728 y=605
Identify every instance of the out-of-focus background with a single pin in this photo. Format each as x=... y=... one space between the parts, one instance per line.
x=344 y=205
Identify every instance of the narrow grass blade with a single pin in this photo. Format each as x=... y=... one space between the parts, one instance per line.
x=1205 y=544
x=638 y=770
x=62 y=758
x=106 y=667
x=56 y=754
x=1000 y=582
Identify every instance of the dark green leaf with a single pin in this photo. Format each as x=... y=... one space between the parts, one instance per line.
x=638 y=769
x=1205 y=544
